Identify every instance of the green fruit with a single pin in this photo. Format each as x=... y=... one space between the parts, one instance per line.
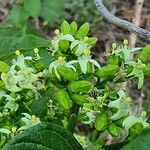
x=67 y=73
x=63 y=99
x=80 y=86
x=101 y=121
x=113 y=60
x=79 y=99
x=136 y=129
x=113 y=130
x=106 y=71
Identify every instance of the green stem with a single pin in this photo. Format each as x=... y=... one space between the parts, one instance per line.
x=73 y=118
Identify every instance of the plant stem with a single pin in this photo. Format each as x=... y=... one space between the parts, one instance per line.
x=73 y=118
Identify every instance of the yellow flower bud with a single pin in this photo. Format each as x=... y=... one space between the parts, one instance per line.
x=13 y=129
x=86 y=52
x=125 y=42
x=36 y=50
x=33 y=117
x=17 y=52
x=57 y=32
x=128 y=100
x=142 y=66
x=86 y=38
x=114 y=45
x=143 y=114
x=60 y=58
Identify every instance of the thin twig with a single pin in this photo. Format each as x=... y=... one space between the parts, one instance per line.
x=122 y=23
x=136 y=20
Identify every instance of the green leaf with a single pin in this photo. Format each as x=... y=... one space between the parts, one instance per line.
x=101 y=121
x=18 y=16
x=145 y=53
x=139 y=143
x=32 y=7
x=113 y=60
x=65 y=27
x=44 y=136
x=8 y=45
x=51 y=9
x=106 y=71
x=4 y=67
x=146 y=70
x=64 y=45
x=92 y=41
x=83 y=31
x=73 y=28
x=39 y=107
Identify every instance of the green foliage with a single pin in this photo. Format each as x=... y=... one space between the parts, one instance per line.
x=18 y=16
x=83 y=31
x=58 y=81
x=8 y=45
x=4 y=67
x=32 y=7
x=141 y=142
x=51 y=9
x=44 y=137
x=145 y=53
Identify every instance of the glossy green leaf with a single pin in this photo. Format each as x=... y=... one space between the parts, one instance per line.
x=8 y=45
x=92 y=41
x=64 y=45
x=32 y=7
x=65 y=27
x=146 y=70
x=83 y=31
x=73 y=28
x=44 y=136
x=4 y=67
x=145 y=54
x=113 y=60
